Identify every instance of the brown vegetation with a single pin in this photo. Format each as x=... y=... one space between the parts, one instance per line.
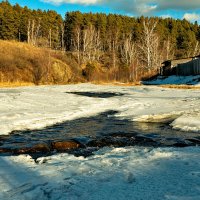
x=181 y=87
x=23 y=64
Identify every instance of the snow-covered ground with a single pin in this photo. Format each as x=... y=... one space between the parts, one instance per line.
x=37 y=107
x=112 y=173
x=160 y=80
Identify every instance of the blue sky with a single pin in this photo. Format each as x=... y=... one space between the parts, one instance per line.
x=189 y=9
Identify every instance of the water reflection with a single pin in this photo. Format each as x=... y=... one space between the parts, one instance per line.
x=103 y=127
x=97 y=94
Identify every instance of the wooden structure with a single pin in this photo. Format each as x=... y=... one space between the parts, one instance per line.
x=181 y=67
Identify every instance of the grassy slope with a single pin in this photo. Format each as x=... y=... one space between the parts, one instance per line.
x=23 y=64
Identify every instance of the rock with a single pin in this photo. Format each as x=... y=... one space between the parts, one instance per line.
x=40 y=148
x=111 y=141
x=86 y=152
x=195 y=141
x=65 y=145
x=145 y=141
x=181 y=144
x=100 y=142
x=5 y=150
x=43 y=148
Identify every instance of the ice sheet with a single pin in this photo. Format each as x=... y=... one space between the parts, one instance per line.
x=37 y=107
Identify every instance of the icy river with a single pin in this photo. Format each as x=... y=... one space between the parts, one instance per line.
x=132 y=142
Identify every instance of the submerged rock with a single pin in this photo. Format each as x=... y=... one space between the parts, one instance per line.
x=65 y=145
x=38 y=148
x=5 y=150
x=111 y=141
x=195 y=141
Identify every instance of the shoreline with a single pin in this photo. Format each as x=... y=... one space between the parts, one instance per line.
x=169 y=86
x=15 y=84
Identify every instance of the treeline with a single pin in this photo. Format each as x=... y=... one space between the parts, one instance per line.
x=136 y=45
x=37 y=27
x=105 y=47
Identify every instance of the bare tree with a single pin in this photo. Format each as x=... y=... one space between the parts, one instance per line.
x=149 y=45
x=91 y=44
x=37 y=32
x=88 y=39
x=29 y=32
x=33 y=32
x=97 y=46
x=62 y=37
x=77 y=42
x=113 y=48
x=196 y=49
x=168 y=48
x=50 y=40
x=128 y=55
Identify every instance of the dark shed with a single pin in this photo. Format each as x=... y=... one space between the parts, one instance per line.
x=181 y=67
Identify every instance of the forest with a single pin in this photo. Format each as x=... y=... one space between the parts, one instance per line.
x=104 y=47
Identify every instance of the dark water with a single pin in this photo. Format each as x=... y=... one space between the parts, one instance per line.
x=102 y=130
x=97 y=94
x=98 y=131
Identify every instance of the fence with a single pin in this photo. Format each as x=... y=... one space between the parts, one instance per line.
x=189 y=68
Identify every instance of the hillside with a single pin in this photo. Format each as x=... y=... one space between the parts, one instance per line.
x=21 y=63
x=106 y=47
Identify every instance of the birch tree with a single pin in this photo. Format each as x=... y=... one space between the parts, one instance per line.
x=50 y=38
x=149 y=45
x=113 y=47
x=32 y=32
x=77 y=42
x=62 y=37
x=128 y=55
x=91 y=44
x=196 y=49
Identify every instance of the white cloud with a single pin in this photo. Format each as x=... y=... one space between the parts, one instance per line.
x=191 y=16
x=178 y=4
x=58 y=2
x=165 y=16
x=144 y=8
x=137 y=7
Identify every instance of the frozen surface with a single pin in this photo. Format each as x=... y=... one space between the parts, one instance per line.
x=37 y=107
x=112 y=173
x=115 y=174
x=192 y=80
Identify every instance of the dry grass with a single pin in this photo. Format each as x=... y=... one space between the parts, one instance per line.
x=181 y=87
x=23 y=64
x=15 y=84
x=116 y=83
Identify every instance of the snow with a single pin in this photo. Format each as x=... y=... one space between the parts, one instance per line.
x=38 y=107
x=112 y=173
x=192 y=80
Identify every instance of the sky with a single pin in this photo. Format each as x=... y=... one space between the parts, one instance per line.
x=188 y=9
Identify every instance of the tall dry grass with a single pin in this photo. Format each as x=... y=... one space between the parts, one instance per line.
x=21 y=63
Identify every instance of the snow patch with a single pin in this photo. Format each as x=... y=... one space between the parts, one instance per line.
x=158 y=118
x=187 y=123
x=192 y=80
x=112 y=173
